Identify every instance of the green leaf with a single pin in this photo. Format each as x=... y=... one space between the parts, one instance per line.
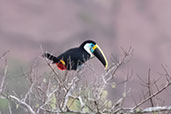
x=124 y=94
x=53 y=102
x=138 y=110
x=104 y=95
x=113 y=85
x=86 y=110
x=74 y=104
x=17 y=106
x=109 y=104
x=44 y=80
x=37 y=105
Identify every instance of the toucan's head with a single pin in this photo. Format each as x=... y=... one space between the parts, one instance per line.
x=94 y=50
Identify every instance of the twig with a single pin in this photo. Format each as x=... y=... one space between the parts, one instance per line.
x=4 y=77
x=28 y=92
x=149 y=87
x=166 y=73
x=9 y=107
x=153 y=95
x=48 y=100
x=28 y=107
x=126 y=55
x=155 y=109
x=4 y=54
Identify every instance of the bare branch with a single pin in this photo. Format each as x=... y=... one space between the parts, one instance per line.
x=9 y=107
x=4 y=54
x=28 y=107
x=168 y=78
x=149 y=87
x=155 y=109
x=153 y=95
x=28 y=92
x=4 y=77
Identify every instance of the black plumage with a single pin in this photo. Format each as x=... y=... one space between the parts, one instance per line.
x=73 y=58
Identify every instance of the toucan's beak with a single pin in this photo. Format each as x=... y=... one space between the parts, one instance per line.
x=100 y=55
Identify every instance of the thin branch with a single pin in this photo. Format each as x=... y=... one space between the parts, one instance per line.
x=149 y=87
x=47 y=100
x=126 y=55
x=4 y=54
x=166 y=73
x=28 y=107
x=4 y=77
x=28 y=92
x=9 y=107
x=156 y=109
x=153 y=95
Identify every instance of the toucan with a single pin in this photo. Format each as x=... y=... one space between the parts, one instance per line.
x=73 y=58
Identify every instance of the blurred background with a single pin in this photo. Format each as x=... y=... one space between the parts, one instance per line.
x=58 y=25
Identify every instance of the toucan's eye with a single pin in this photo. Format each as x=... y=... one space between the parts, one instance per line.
x=92 y=45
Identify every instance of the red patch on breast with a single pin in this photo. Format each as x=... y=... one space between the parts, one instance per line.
x=61 y=66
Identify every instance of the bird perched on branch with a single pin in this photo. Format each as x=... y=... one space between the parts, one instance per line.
x=73 y=58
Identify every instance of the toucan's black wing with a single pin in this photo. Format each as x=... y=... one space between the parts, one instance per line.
x=74 y=57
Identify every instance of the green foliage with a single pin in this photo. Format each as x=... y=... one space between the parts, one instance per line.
x=113 y=85
x=104 y=95
x=84 y=104
x=37 y=105
x=74 y=104
x=138 y=110
x=108 y=104
x=3 y=103
x=86 y=109
x=53 y=102
x=17 y=106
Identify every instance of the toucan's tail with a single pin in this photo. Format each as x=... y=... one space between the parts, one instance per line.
x=51 y=57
